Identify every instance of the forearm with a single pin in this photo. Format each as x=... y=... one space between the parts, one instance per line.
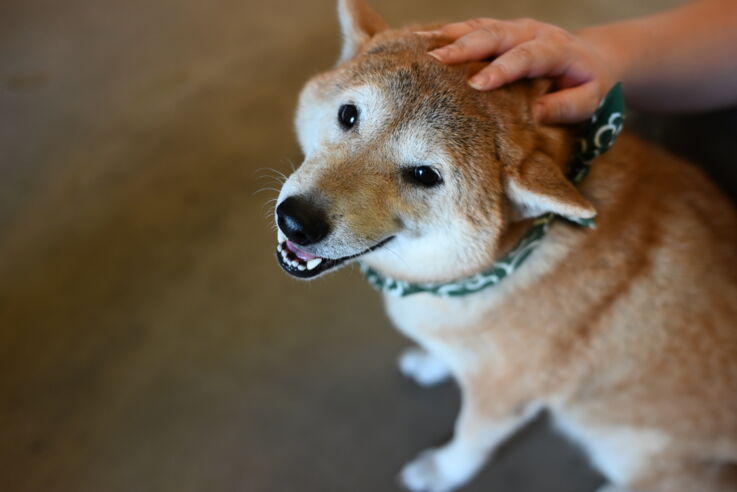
x=683 y=59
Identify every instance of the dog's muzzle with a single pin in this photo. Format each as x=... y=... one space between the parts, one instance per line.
x=302 y=223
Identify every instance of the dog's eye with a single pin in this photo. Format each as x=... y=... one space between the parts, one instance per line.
x=423 y=175
x=348 y=116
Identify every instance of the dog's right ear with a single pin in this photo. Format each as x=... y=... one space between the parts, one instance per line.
x=358 y=22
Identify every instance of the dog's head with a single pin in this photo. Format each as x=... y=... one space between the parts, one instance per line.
x=409 y=168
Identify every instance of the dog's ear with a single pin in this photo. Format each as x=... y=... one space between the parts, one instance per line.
x=537 y=186
x=358 y=22
x=536 y=159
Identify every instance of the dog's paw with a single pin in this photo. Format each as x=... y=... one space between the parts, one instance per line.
x=441 y=469
x=422 y=367
x=424 y=475
x=612 y=488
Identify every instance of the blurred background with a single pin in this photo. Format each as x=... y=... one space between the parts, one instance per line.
x=148 y=339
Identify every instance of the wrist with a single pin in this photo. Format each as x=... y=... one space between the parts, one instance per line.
x=605 y=43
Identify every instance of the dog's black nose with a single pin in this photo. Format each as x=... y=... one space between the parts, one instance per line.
x=302 y=221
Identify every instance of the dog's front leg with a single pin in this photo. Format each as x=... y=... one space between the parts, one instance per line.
x=478 y=433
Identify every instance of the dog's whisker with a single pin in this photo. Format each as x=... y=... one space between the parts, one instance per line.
x=276 y=172
x=289 y=161
x=266 y=188
x=278 y=179
x=272 y=181
x=397 y=255
x=268 y=169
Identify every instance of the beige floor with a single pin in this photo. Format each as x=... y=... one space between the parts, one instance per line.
x=148 y=341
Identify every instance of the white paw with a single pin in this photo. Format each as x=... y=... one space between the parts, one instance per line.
x=423 y=474
x=439 y=470
x=422 y=367
x=612 y=488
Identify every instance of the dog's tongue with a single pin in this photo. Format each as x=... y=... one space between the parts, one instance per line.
x=303 y=255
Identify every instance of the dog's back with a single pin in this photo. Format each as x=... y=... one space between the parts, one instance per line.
x=647 y=315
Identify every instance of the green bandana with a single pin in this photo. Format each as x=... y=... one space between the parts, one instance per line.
x=596 y=137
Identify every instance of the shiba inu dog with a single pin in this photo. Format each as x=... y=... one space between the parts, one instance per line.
x=626 y=332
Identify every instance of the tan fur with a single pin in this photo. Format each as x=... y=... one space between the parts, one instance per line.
x=627 y=332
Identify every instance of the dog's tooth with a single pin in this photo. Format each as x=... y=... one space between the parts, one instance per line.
x=279 y=248
x=280 y=236
x=312 y=264
x=294 y=263
x=301 y=268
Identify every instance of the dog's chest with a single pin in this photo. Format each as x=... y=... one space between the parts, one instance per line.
x=422 y=314
x=442 y=325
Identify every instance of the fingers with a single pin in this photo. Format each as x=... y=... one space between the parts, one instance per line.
x=569 y=105
x=526 y=48
x=479 y=39
x=530 y=59
x=476 y=45
x=457 y=29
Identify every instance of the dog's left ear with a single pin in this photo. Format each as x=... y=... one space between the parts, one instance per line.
x=359 y=23
x=537 y=183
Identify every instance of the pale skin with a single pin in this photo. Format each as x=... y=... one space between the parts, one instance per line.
x=684 y=59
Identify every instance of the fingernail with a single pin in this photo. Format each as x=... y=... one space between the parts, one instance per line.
x=437 y=54
x=478 y=82
x=427 y=33
x=538 y=112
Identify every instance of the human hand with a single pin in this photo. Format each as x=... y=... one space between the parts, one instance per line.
x=528 y=48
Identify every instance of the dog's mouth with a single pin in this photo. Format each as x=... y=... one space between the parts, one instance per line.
x=301 y=264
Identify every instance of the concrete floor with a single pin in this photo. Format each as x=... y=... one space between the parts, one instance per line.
x=148 y=340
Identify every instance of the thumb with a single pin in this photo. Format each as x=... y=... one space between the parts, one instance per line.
x=568 y=105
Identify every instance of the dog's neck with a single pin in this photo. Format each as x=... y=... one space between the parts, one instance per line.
x=511 y=236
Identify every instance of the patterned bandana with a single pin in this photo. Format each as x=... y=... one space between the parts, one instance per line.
x=596 y=137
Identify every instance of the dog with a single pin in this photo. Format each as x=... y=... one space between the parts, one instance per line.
x=625 y=332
